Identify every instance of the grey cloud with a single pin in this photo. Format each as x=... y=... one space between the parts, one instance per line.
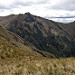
x=3 y=7
x=26 y=3
x=23 y=3
x=65 y=5
x=15 y=5
x=42 y=2
x=29 y=3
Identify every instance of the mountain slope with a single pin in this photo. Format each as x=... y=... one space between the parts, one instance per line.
x=8 y=39
x=18 y=42
x=46 y=35
x=70 y=28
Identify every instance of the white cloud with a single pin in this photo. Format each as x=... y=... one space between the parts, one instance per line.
x=6 y=3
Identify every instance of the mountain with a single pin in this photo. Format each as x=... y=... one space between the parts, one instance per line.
x=12 y=42
x=30 y=44
x=70 y=28
x=18 y=42
x=46 y=35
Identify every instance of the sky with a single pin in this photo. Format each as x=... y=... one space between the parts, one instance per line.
x=57 y=10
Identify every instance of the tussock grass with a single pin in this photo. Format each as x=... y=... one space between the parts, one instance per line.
x=43 y=66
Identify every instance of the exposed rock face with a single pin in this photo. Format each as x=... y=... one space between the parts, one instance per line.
x=29 y=17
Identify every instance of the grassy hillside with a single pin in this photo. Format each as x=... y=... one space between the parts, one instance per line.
x=13 y=49
x=14 y=61
x=21 y=43
x=70 y=28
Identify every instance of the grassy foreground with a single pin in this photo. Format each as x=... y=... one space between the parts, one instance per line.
x=14 y=61
x=43 y=66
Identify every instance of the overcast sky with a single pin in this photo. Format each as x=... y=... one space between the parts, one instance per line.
x=51 y=9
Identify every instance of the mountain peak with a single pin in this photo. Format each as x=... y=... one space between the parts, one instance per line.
x=29 y=17
x=27 y=13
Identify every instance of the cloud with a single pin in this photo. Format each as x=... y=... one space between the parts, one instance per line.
x=5 y=4
x=64 y=5
x=10 y=4
x=63 y=20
